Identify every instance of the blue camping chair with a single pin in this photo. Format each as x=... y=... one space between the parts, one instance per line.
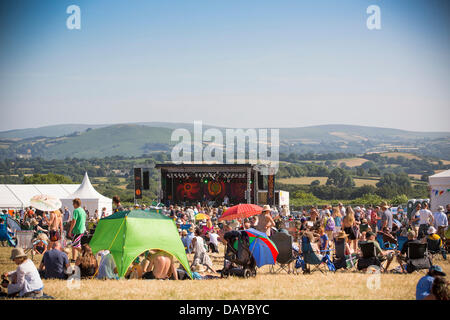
x=400 y=242
x=310 y=257
x=385 y=245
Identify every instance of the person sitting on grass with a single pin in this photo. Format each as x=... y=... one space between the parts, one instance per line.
x=55 y=263
x=135 y=271
x=425 y=284
x=87 y=262
x=159 y=265
x=107 y=269
x=40 y=244
x=439 y=290
x=200 y=254
x=25 y=280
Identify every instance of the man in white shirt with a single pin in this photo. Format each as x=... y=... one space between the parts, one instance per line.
x=425 y=220
x=441 y=221
x=213 y=242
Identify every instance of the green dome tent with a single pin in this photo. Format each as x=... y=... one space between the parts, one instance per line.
x=127 y=234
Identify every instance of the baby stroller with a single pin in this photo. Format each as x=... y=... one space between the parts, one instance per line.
x=239 y=260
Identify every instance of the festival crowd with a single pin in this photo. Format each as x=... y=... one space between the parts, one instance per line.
x=61 y=233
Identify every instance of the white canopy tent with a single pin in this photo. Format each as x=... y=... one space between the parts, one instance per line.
x=440 y=190
x=17 y=196
x=89 y=197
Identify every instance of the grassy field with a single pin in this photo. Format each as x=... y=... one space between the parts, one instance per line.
x=316 y=286
x=408 y=156
x=307 y=180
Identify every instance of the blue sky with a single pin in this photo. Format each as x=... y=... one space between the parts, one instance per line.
x=230 y=63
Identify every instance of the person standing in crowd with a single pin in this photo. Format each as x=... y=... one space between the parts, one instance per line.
x=77 y=227
x=423 y=288
x=337 y=219
x=104 y=214
x=55 y=263
x=415 y=219
x=5 y=233
x=425 y=220
x=440 y=222
x=117 y=204
x=341 y=209
x=55 y=226
x=350 y=224
x=265 y=221
x=66 y=216
x=386 y=217
x=374 y=219
x=25 y=280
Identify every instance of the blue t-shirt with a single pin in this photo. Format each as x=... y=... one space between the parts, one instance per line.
x=423 y=288
x=337 y=221
x=55 y=261
x=323 y=239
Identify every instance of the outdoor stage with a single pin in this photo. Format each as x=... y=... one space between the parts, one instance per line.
x=209 y=183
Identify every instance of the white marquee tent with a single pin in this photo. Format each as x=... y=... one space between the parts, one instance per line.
x=440 y=189
x=89 y=197
x=17 y=196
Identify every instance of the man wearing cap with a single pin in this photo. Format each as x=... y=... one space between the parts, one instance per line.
x=440 y=221
x=25 y=281
x=382 y=254
x=423 y=288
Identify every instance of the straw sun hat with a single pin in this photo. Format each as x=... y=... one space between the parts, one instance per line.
x=266 y=208
x=341 y=235
x=17 y=253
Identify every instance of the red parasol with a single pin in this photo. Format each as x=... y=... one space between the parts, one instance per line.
x=241 y=211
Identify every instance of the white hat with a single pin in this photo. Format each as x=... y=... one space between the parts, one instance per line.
x=358 y=209
x=441 y=208
x=266 y=208
x=431 y=230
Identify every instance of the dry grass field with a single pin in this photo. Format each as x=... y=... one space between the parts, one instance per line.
x=307 y=180
x=267 y=286
x=408 y=156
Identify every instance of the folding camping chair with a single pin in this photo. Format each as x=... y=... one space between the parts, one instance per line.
x=283 y=242
x=369 y=256
x=435 y=248
x=400 y=242
x=417 y=257
x=340 y=260
x=310 y=257
x=25 y=240
x=385 y=245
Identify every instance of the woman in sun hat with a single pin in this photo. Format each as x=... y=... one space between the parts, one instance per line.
x=25 y=280
x=265 y=221
x=342 y=235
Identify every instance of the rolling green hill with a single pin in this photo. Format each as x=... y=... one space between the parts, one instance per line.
x=89 y=141
x=124 y=140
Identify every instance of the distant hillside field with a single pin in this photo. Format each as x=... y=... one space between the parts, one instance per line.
x=124 y=140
